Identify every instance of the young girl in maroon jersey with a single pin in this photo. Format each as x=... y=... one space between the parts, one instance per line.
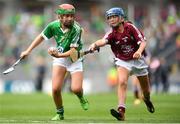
x=128 y=45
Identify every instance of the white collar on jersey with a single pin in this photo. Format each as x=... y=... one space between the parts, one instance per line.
x=65 y=30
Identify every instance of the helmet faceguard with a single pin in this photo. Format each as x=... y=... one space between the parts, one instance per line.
x=115 y=11
x=65 y=9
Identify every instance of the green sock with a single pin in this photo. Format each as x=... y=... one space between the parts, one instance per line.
x=60 y=110
x=80 y=95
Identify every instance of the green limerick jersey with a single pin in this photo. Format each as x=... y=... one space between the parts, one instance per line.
x=64 y=39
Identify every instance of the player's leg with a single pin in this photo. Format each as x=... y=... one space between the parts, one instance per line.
x=58 y=73
x=76 y=70
x=76 y=88
x=136 y=90
x=145 y=86
x=123 y=75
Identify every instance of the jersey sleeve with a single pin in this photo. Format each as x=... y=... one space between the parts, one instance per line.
x=47 y=32
x=137 y=34
x=75 y=38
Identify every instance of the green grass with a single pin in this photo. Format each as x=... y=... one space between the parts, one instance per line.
x=39 y=108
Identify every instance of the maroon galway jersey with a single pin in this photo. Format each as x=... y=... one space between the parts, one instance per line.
x=125 y=44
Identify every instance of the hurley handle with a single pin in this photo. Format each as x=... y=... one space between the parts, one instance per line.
x=90 y=51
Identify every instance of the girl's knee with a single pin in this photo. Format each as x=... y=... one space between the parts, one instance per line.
x=122 y=82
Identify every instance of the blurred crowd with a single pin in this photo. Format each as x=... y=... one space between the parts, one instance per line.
x=162 y=33
x=163 y=44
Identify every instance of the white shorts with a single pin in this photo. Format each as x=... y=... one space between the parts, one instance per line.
x=68 y=64
x=137 y=67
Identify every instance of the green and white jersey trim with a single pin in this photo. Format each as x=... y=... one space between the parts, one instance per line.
x=44 y=36
x=76 y=37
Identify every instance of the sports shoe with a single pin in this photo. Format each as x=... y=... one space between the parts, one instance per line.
x=58 y=117
x=84 y=103
x=119 y=115
x=149 y=105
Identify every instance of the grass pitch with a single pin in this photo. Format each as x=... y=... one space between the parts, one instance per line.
x=39 y=108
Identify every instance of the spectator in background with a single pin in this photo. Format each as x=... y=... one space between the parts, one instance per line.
x=155 y=73
x=164 y=75
x=160 y=74
x=97 y=23
x=41 y=71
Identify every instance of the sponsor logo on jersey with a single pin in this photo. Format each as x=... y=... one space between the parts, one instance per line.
x=125 y=39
